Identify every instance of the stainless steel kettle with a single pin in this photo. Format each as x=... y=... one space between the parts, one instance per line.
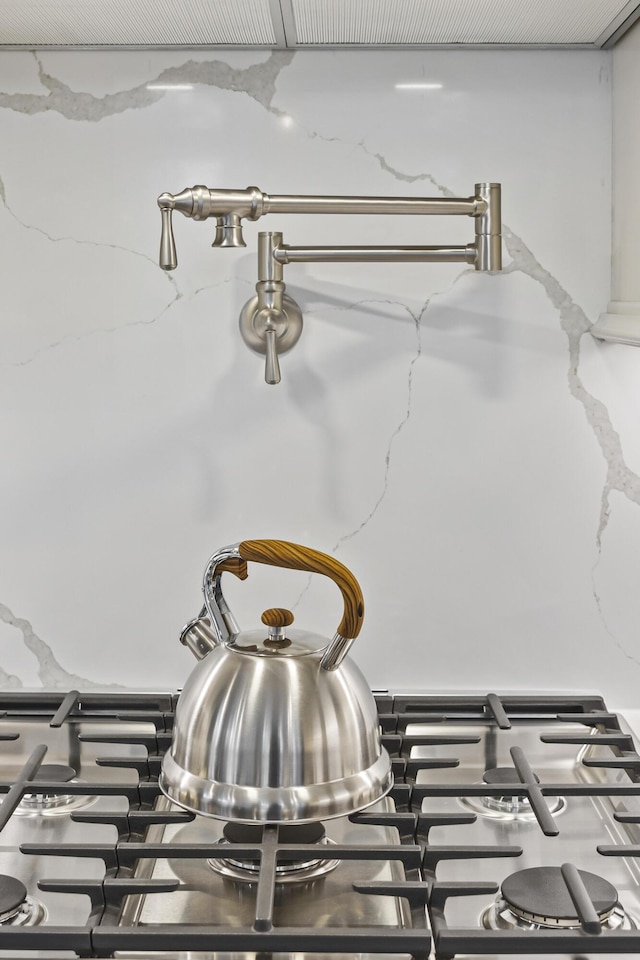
x=276 y=724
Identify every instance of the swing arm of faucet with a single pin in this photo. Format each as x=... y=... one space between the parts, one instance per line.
x=271 y=322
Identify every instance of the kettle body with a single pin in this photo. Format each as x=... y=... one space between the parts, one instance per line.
x=276 y=724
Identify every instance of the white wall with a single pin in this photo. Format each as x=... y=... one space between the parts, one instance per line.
x=454 y=438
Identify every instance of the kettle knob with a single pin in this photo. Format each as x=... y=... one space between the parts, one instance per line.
x=277 y=618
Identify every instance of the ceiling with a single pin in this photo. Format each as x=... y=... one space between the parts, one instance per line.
x=310 y=24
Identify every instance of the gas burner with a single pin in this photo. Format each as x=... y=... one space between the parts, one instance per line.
x=293 y=871
x=508 y=806
x=538 y=898
x=53 y=804
x=17 y=909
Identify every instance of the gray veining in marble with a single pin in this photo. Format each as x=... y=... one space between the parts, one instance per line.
x=9 y=681
x=625 y=653
x=257 y=81
x=416 y=318
x=50 y=672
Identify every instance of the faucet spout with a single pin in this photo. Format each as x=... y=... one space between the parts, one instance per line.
x=229 y=231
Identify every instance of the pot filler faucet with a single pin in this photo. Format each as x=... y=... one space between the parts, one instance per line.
x=271 y=322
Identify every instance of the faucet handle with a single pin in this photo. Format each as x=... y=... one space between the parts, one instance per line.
x=269 y=324
x=271 y=365
x=168 y=256
x=271 y=332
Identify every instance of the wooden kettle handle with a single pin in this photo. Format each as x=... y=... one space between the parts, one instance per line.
x=293 y=556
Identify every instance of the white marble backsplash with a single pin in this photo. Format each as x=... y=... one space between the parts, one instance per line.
x=457 y=439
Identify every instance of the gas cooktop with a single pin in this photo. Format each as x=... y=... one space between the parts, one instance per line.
x=512 y=828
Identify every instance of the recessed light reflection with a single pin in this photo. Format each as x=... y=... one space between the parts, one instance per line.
x=169 y=86
x=286 y=121
x=419 y=86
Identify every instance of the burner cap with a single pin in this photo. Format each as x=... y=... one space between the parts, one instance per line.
x=55 y=771
x=498 y=775
x=13 y=893
x=540 y=894
x=287 y=832
x=245 y=868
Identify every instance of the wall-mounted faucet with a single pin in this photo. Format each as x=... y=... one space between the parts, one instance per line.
x=271 y=322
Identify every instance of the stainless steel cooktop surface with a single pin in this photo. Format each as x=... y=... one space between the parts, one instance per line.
x=512 y=828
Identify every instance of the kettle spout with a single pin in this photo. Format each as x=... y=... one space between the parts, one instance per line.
x=198 y=636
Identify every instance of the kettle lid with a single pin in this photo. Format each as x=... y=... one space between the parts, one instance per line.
x=277 y=640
